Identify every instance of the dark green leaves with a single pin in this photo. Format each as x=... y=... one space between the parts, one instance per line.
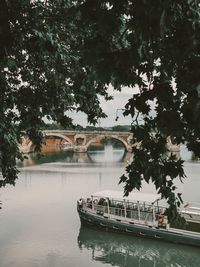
x=61 y=55
x=44 y=72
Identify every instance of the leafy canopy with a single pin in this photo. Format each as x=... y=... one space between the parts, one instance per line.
x=156 y=46
x=59 y=55
x=42 y=74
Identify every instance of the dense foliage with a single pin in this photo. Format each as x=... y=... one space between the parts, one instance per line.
x=42 y=74
x=57 y=55
x=156 y=46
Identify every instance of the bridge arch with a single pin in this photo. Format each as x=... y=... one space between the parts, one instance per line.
x=31 y=147
x=60 y=136
x=100 y=137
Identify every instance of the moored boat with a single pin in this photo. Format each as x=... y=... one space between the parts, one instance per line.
x=191 y=212
x=138 y=214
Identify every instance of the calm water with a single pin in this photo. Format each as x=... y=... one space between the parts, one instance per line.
x=39 y=225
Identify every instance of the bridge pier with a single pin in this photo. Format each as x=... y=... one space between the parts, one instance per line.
x=129 y=149
x=80 y=149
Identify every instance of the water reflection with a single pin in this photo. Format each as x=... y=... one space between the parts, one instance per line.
x=54 y=155
x=108 y=156
x=120 y=250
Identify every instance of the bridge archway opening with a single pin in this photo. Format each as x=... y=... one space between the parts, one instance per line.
x=106 y=149
x=56 y=142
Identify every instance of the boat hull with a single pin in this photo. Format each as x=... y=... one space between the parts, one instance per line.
x=171 y=235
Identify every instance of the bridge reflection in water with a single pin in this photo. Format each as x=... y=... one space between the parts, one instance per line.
x=106 y=156
x=123 y=250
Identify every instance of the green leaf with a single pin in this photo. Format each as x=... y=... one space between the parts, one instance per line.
x=11 y=63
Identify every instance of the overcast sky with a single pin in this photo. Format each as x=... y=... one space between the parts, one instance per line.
x=110 y=108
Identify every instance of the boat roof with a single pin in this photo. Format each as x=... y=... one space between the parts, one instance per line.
x=132 y=197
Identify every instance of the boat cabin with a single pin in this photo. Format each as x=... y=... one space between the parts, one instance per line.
x=138 y=208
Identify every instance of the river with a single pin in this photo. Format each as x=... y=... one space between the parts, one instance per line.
x=40 y=227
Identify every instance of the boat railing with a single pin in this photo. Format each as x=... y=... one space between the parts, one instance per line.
x=129 y=214
x=117 y=211
x=100 y=209
x=134 y=206
x=191 y=212
x=191 y=207
x=146 y=214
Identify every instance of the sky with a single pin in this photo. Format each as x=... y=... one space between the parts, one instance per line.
x=112 y=108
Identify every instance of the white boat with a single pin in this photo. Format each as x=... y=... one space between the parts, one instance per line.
x=191 y=212
x=138 y=214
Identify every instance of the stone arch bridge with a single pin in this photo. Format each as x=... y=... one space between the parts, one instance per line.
x=79 y=141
